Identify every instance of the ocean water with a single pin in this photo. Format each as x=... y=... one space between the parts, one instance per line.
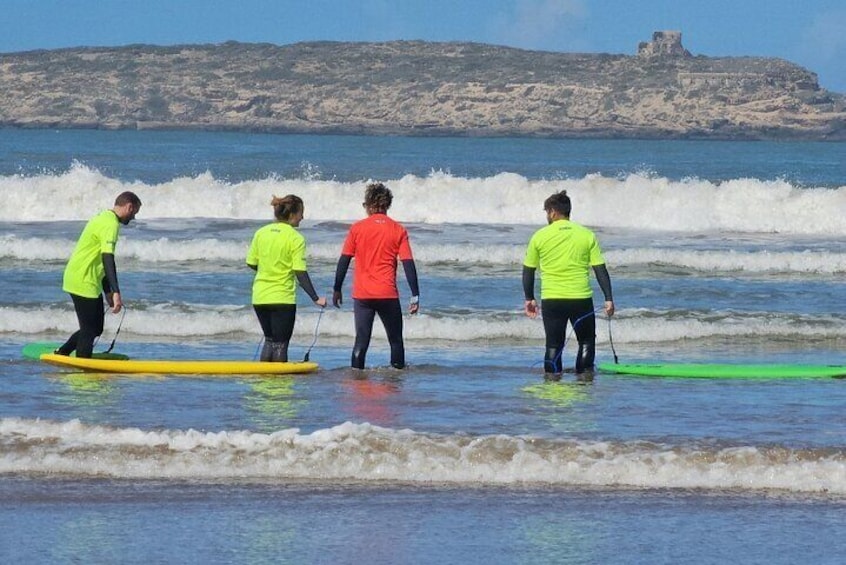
x=718 y=252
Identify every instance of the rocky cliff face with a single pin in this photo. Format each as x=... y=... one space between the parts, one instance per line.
x=419 y=88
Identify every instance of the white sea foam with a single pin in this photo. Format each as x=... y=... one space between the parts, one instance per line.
x=630 y=326
x=635 y=201
x=363 y=452
x=213 y=252
x=807 y=261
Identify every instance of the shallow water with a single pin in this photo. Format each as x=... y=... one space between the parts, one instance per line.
x=718 y=252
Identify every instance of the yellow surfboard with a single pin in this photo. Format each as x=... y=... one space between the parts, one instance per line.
x=179 y=366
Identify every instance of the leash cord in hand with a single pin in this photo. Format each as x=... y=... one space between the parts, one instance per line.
x=112 y=346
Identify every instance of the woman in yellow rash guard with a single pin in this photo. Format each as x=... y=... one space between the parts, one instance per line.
x=91 y=273
x=277 y=254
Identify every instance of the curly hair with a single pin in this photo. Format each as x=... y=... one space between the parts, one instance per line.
x=378 y=197
x=287 y=206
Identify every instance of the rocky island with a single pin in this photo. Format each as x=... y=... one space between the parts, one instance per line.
x=419 y=88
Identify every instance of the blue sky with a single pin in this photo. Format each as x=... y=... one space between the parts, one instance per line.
x=811 y=33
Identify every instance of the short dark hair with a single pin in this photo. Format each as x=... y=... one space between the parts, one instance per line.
x=378 y=197
x=128 y=198
x=559 y=202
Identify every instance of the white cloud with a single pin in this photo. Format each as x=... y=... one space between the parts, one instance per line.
x=538 y=24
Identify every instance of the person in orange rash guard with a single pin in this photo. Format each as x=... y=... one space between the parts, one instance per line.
x=375 y=243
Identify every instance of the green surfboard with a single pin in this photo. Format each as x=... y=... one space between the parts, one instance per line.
x=35 y=350
x=725 y=370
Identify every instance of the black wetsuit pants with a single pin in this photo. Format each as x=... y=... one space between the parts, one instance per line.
x=390 y=312
x=91 y=314
x=557 y=313
x=277 y=325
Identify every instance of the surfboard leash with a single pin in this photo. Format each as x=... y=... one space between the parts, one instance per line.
x=120 y=324
x=557 y=359
x=611 y=341
x=258 y=348
x=316 y=333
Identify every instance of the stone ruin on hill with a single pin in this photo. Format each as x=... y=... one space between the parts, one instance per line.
x=663 y=44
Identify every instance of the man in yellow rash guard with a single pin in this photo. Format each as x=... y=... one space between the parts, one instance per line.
x=565 y=252
x=91 y=273
x=277 y=254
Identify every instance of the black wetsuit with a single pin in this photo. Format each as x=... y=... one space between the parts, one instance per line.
x=559 y=312
x=277 y=325
x=389 y=311
x=277 y=322
x=91 y=314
